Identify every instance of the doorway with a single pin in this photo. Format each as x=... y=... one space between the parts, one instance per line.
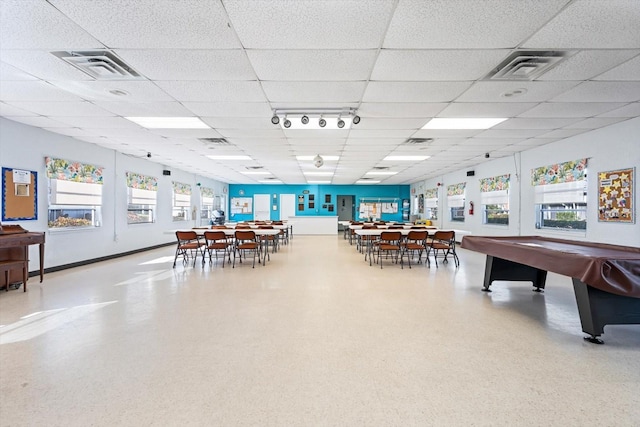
x=261 y=207
x=345 y=209
x=287 y=206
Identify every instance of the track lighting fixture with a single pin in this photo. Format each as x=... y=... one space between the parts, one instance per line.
x=315 y=118
x=340 y=123
x=287 y=123
x=356 y=120
x=304 y=119
x=275 y=119
x=322 y=122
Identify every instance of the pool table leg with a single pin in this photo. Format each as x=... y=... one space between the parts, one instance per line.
x=502 y=269
x=599 y=308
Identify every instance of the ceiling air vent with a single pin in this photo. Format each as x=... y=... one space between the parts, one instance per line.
x=214 y=141
x=99 y=64
x=526 y=65
x=254 y=167
x=381 y=168
x=418 y=141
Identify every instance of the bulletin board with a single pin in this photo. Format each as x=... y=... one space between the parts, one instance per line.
x=241 y=205
x=615 y=196
x=19 y=195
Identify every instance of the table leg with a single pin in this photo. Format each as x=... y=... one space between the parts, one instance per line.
x=502 y=269
x=41 y=261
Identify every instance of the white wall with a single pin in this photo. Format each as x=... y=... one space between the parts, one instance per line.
x=25 y=147
x=614 y=147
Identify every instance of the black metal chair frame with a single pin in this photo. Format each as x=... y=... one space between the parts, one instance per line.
x=216 y=241
x=189 y=245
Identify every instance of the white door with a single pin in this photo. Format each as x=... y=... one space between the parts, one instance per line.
x=287 y=206
x=261 y=206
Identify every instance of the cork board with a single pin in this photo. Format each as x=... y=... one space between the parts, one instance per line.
x=19 y=195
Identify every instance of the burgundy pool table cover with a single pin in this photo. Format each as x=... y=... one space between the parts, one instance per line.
x=610 y=268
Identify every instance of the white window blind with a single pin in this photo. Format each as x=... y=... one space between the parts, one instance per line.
x=500 y=197
x=75 y=193
x=456 y=201
x=139 y=196
x=565 y=192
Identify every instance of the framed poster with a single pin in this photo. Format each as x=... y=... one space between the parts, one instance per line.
x=615 y=196
x=19 y=195
x=327 y=198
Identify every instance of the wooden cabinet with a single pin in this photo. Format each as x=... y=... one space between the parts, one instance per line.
x=14 y=254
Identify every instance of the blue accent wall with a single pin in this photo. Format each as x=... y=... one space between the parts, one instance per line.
x=371 y=192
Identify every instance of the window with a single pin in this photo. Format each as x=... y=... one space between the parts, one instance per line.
x=431 y=204
x=142 y=193
x=75 y=194
x=561 y=195
x=494 y=197
x=207 y=203
x=455 y=200
x=181 y=201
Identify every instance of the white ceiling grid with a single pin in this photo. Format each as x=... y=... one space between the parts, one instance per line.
x=398 y=62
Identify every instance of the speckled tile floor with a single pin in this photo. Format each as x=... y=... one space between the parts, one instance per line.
x=314 y=338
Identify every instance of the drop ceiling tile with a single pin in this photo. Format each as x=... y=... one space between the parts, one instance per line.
x=313 y=65
x=511 y=133
x=396 y=123
x=34 y=24
x=39 y=121
x=330 y=24
x=134 y=133
x=630 y=70
x=591 y=24
x=446 y=133
x=100 y=90
x=492 y=91
x=523 y=123
x=380 y=133
x=178 y=64
x=42 y=64
x=70 y=131
x=186 y=133
x=630 y=110
x=34 y=91
x=316 y=134
x=602 y=92
x=562 y=133
x=595 y=122
x=239 y=123
x=145 y=109
x=400 y=110
x=63 y=109
x=463 y=24
x=586 y=64
x=9 y=72
x=571 y=109
x=214 y=91
x=439 y=65
x=251 y=133
x=230 y=109
x=98 y=122
x=192 y=24
x=414 y=91
x=486 y=109
x=294 y=92
x=7 y=110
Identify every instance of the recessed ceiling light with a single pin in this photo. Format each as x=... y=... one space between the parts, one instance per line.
x=270 y=181
x=407 y=158
x=310 y=158
x=256 y=173
x=229 y=157
x=318 y=173
x=169 y=122
x=381 y=173
x=462 y=123
x=318 y=182
x=367 y=181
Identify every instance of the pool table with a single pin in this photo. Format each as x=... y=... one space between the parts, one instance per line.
x=606 y=278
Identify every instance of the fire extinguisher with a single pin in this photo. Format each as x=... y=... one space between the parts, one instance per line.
x=470 y=208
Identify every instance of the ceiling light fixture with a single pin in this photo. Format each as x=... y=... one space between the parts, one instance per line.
x=356 y=120
x=275 y=119
x=322 y=122
x=340 y=123
x=318 y=182
x=304 y=120
x=310 y=158
x=367 y=181
x=312 y=173
x=318 y=161
x=315 y=118
x=287 y=122
x=380 y=173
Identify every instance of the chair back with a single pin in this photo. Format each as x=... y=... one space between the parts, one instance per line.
x=266 y=227
x=242 y=226
x=390 y=236
x=417 y=235
x=448 y=236
x=245 y=235
x=219 y=227
x=369 y=226
x=396 y=227
x=183 y=236
x=215 y=235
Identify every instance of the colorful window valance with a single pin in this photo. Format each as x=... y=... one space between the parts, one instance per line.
x=495 y=183
x=559 y=173
x=142 y=182
x=206 y=192
x=65 y=170
x=456 y=189
x=180 y=188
